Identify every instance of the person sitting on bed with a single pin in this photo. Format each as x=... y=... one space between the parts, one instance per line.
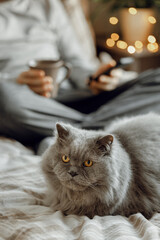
x=40 y=29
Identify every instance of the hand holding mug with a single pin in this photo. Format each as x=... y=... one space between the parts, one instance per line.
x=37 y=81
x=42 y=76
x=51 y=68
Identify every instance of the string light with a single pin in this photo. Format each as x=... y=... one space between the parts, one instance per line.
x=138 y=44
x=151 y=39
x=110 y=42
x=152 y=47
x=115 y=36
x=152 y=20
x=121 y=44
x=132 y=10
x=113 y=20
x=131 y=49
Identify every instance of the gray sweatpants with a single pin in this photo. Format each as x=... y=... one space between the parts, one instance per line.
x=29 y=117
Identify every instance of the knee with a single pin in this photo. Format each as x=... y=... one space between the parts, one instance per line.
x=3 y=89
x=10 y=106
x=4 y=93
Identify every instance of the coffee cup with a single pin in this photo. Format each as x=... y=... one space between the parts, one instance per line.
x=51 y=68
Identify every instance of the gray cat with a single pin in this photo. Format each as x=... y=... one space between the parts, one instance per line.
x=116 y=171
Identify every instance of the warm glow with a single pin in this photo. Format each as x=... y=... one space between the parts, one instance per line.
x=151 y=39
x=131 y=49
x=113 y=20
x=152 y=47
x=152 y=19
x=110 y=42
x=138 y=44
x=139 y=50
x=132 y=11
x=121 y=44
x=115 y=36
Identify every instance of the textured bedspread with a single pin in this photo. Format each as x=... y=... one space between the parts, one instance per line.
x=23 y=216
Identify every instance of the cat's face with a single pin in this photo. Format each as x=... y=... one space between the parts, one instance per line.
x=79 y=159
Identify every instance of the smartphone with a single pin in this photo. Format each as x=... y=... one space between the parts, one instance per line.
x=125 y=61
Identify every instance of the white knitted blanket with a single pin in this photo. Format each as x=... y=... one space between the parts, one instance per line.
x=23 y=217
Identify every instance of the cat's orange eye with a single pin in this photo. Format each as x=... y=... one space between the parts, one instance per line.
x=65 y=159
x=87 y=163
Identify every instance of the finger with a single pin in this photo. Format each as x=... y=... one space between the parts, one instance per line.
x=117 y=72
x=30 y=74
x=48 y=80
x=108 y=80
x=104 y=79
x=33 y=73
x=108 y=87
x=46 y=94
x=36 y=81
x=105 y=86
x=31 y=81
x=42 y=89
x=104 y=67
x=40 y=81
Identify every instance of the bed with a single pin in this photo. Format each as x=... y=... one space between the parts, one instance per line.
x=24 y=217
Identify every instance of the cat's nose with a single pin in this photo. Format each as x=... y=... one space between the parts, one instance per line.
x=73 y=174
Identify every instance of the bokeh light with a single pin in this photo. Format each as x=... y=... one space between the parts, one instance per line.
x=115 y=36
x=113 y=20
x=132 y=10
x=110 y=42
x=121 y=44
x=152 y=47
x=151 y=39
x=152 y=19
x=131 y=49
x=138 y=44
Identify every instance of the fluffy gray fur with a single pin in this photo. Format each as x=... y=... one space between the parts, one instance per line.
x=125 y=175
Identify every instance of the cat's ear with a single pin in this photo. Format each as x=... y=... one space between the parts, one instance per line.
x=62 y=131
x=105 y=143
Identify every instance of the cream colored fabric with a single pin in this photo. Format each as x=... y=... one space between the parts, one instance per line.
x=23 y=216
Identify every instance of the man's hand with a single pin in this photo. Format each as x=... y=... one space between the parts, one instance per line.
x=37 y=82
x=104 y=83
